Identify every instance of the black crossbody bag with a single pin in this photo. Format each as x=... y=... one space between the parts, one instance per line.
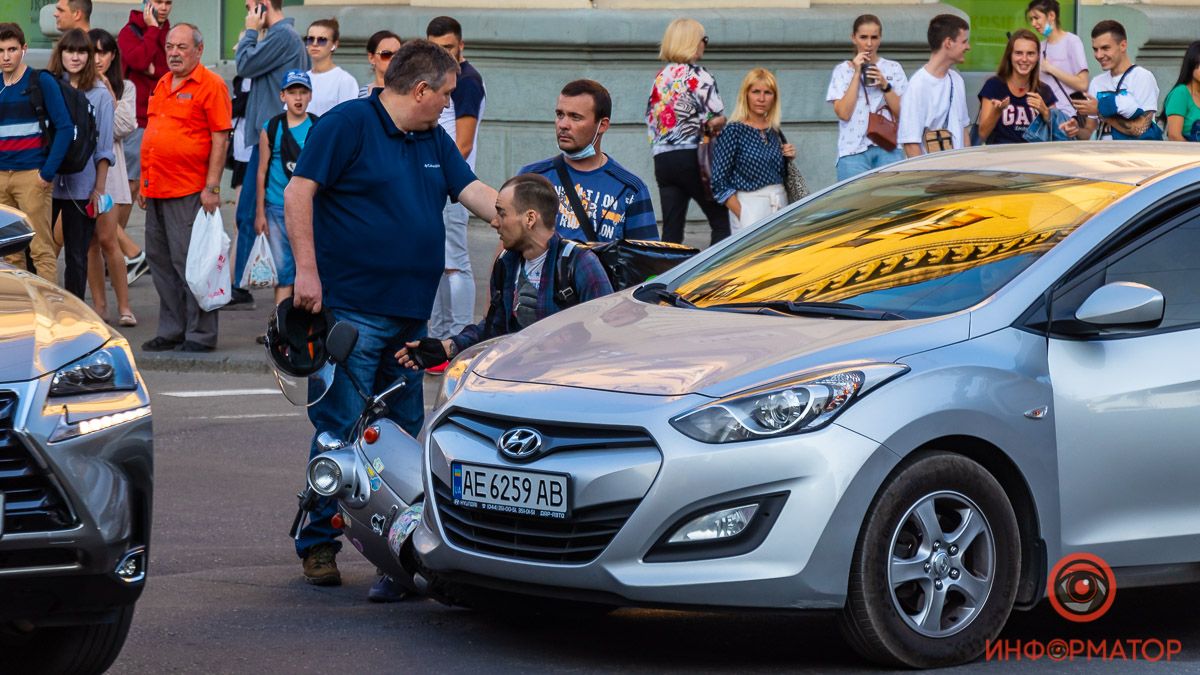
x=627 y=262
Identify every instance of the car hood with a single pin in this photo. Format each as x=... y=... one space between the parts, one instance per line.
x=42 y=327
x=617 y=343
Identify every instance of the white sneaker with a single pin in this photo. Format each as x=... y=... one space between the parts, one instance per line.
x=135 y=267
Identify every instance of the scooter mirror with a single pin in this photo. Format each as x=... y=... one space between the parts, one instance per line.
x=340 y=341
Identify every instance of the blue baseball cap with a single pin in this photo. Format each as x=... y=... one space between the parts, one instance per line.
x=296 y=77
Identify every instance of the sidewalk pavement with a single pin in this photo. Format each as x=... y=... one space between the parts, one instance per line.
x=237 y=352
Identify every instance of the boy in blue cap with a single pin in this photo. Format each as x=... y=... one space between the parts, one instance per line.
x=279 y=144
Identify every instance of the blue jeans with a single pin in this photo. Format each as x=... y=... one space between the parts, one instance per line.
x=245 y=217
x=873 y=158
x=281 y=247
x=373 y=365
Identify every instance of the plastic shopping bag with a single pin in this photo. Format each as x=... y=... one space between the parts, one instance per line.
x=260 y=270
x=207 y=270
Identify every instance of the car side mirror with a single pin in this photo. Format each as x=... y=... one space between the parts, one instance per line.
x=1123 y=305
x=15 y=232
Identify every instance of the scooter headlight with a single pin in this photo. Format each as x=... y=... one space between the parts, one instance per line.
x=325 y=476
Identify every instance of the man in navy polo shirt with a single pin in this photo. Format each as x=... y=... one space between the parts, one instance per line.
x=364 y=216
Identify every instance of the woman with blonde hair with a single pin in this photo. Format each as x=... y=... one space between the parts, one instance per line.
x=750 y=156
x=684 y=105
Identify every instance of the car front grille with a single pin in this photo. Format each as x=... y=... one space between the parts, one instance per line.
x=576 y=540
x=558 y=437
x=32 y=503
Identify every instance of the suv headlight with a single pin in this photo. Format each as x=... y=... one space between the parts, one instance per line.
x=780 y=409
x=107 y=369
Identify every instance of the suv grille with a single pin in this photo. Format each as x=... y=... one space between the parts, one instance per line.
x=577 y=540
x=31 y=501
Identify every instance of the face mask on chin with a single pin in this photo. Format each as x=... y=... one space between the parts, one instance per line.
x=1047 y=30
x=585 y=152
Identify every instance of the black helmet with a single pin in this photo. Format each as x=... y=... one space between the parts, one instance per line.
x=296 y=339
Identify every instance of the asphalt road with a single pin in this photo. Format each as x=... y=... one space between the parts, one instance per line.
x=225 y=593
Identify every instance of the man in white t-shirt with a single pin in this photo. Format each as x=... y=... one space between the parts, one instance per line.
x=936 y=96
x=454 y=304
x=1121 y=97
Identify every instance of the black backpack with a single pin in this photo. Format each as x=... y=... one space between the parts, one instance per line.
x=289 y=154
x=83 y=115
x=564 y=276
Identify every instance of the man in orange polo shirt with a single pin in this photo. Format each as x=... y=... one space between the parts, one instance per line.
x=183 y=154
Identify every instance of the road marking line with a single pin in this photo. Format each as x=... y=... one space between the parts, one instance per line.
x=219 y=392
x=250 y=417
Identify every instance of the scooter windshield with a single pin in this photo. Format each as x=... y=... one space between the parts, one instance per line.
x=306 y=391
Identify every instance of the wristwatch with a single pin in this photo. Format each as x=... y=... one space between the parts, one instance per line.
x=215 y=189
x=889 y=88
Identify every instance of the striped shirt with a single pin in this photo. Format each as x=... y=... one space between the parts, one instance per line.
x=21 y=147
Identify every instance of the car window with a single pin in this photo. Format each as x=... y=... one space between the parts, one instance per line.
x=915 y=244
x=1169 y=263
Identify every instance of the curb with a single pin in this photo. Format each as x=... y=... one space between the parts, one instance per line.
x=206 y=363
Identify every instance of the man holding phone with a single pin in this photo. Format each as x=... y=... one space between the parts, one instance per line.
x=268 y=49
x=1122 y=100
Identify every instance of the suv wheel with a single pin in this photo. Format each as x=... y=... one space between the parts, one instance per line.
x=935 y=571
x=82 y=650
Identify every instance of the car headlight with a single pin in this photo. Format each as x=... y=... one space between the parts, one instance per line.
x=456 y=373
x=106 y=369
x=784 y=408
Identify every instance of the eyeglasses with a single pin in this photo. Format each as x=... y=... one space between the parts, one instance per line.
x=314 y=40
x=385 y=55
x=704 y=40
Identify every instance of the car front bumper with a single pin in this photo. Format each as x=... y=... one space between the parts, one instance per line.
x=827 y=479
x=75 y=509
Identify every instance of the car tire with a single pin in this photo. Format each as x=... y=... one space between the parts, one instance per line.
x=77 y=650
x=910 y=601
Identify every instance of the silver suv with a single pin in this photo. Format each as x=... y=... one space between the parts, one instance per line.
x=76 y=475
x=904 y=400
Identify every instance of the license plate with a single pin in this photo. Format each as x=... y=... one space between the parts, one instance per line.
x=523 y=493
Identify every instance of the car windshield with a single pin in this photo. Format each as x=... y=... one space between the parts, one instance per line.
x=898 y=245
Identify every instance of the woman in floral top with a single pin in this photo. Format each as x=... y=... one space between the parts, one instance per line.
x=683 y=100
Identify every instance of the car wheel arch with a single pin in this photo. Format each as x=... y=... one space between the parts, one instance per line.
x=1031 y=587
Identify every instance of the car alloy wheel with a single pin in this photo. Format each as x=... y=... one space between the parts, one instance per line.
x=941 y=579
x=935 y=571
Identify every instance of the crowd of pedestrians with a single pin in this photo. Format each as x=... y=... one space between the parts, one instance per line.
x=364 y=192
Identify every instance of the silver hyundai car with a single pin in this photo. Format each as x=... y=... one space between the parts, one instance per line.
x=903 y=399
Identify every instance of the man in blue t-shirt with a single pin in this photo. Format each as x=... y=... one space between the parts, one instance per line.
x=279 y=145
x=364 y=216
x=616 y=202
x=454 y=305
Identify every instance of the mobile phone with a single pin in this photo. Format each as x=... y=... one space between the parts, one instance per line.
x=1078 y=96
x=261 y=8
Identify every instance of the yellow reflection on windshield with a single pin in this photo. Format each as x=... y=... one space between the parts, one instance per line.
x=895 y=230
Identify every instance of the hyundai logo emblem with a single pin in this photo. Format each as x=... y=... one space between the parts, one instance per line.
x=520 y=443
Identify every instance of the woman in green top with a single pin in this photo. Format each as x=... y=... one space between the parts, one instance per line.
x=1182 y=107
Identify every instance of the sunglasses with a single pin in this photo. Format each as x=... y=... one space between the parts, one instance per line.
x=385 y=54
x=313 y=40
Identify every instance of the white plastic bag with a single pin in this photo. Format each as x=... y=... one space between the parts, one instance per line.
x=207 y=270
x=260 y=269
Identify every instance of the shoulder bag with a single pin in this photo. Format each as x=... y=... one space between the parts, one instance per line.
x=937 y=140
x=704 y=159
x=793 y=180
x=880 y=130
x=627 y=262
x=1141 y=127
